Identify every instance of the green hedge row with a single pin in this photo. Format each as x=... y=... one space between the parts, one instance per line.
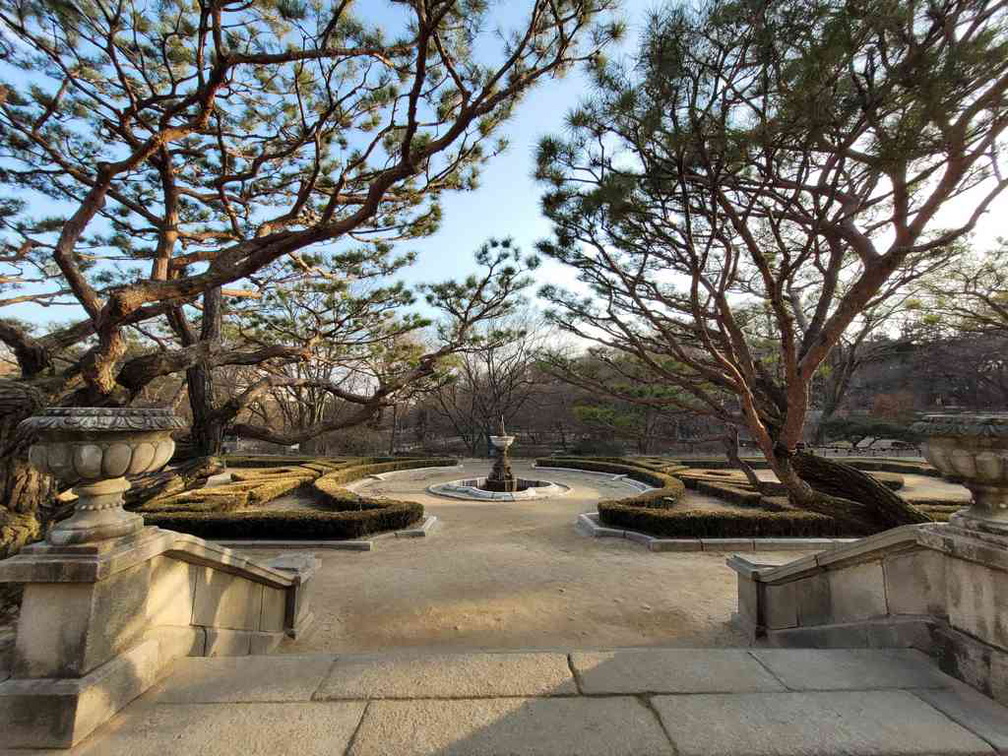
x=667 y=490
x=292 y=524
x=660 y=514
x=344 y=514
x=741 y=523
x=332 y=483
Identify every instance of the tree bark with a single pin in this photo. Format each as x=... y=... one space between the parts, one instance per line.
x=730 y=442
x=207 y=434
x=840 y=480
x=860 y=520
x=26 y=495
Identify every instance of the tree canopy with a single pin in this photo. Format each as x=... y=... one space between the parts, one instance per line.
x=761 y=177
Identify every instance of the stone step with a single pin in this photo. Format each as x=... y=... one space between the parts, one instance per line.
x=629 y=701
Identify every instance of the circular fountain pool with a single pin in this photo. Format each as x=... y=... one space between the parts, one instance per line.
x=474 y=488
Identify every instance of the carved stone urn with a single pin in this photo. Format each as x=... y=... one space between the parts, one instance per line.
x=973 y=450
x=93 y=449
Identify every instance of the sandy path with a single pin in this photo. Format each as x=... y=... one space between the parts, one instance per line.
x=516 y=575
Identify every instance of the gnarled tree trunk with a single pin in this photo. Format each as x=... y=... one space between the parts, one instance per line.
x=839 y=480
x=26 y=495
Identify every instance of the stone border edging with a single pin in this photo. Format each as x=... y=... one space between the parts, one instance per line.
x=588 y=524
x=622 y=477
x=422 y=530
x=353 y=485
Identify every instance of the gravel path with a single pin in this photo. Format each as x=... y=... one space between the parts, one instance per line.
x=516 y=575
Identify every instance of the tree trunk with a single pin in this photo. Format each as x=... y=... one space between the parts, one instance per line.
x=730 y=442
x=859 y=519
x=837 y=479
x=207 y=426
x=26 y=495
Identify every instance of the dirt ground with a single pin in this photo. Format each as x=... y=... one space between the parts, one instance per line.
x=516 y=575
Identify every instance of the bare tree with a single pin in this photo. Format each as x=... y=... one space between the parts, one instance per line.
x=493 y=380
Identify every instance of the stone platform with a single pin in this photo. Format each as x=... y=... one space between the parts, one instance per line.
x=634 y=701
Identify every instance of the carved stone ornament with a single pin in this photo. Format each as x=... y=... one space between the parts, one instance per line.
x=93 y=449
x=973 y=450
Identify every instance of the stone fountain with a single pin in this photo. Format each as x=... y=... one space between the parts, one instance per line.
x=501 y=483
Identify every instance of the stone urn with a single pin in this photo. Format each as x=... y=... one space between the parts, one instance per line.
x=93 y=449
x=973 y=450
x=502 y=443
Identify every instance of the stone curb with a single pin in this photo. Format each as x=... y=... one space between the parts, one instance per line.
x=420 y=531
x=588 y=524
x=622 y=477
x=333 y=545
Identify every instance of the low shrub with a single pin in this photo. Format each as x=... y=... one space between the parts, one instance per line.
x=199 y=500
x=666 y=492
x=651 y=477
x=660 y=512
x=332 y=482
x=343 y=515
x=293 y=524
x=740 y=523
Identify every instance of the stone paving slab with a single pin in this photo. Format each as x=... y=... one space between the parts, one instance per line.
x=531 y=727
x=852 y=669
x=305 y=729
x=449 y=676
x=973 y=711
x=234 y=679
x=802 y=723
x=671 y=670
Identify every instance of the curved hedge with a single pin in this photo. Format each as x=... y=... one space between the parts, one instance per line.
x=668 y=490
x=343 y=513
x=741 y=523
x=659 y=513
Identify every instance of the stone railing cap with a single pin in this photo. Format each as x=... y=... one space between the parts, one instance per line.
x=103 y=419
x=988 y=425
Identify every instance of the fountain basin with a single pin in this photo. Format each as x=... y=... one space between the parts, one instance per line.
x=474 y=489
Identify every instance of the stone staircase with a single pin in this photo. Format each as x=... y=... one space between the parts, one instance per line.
x=632 y=701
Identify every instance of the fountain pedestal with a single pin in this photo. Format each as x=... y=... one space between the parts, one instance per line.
x=501 y=478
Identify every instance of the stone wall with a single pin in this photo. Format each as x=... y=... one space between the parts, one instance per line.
x=102 y=622
x=932 y=587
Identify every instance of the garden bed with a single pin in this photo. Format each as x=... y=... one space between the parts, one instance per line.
x=235 y=510
x=665 y=512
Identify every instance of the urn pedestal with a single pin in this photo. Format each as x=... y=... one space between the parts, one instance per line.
x=108 y=604
x=972 y=450
x=93 y=449
x=939 y=588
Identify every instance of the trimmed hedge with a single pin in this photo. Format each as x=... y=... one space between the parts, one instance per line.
x=345 y=514
x=742 y=523
x=293 y=524
x=667 y=490
x=332 y=482
x=659 y=513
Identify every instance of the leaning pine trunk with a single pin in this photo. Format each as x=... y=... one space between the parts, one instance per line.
x=859 y=519
x=26 y=495
x=840 y=480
